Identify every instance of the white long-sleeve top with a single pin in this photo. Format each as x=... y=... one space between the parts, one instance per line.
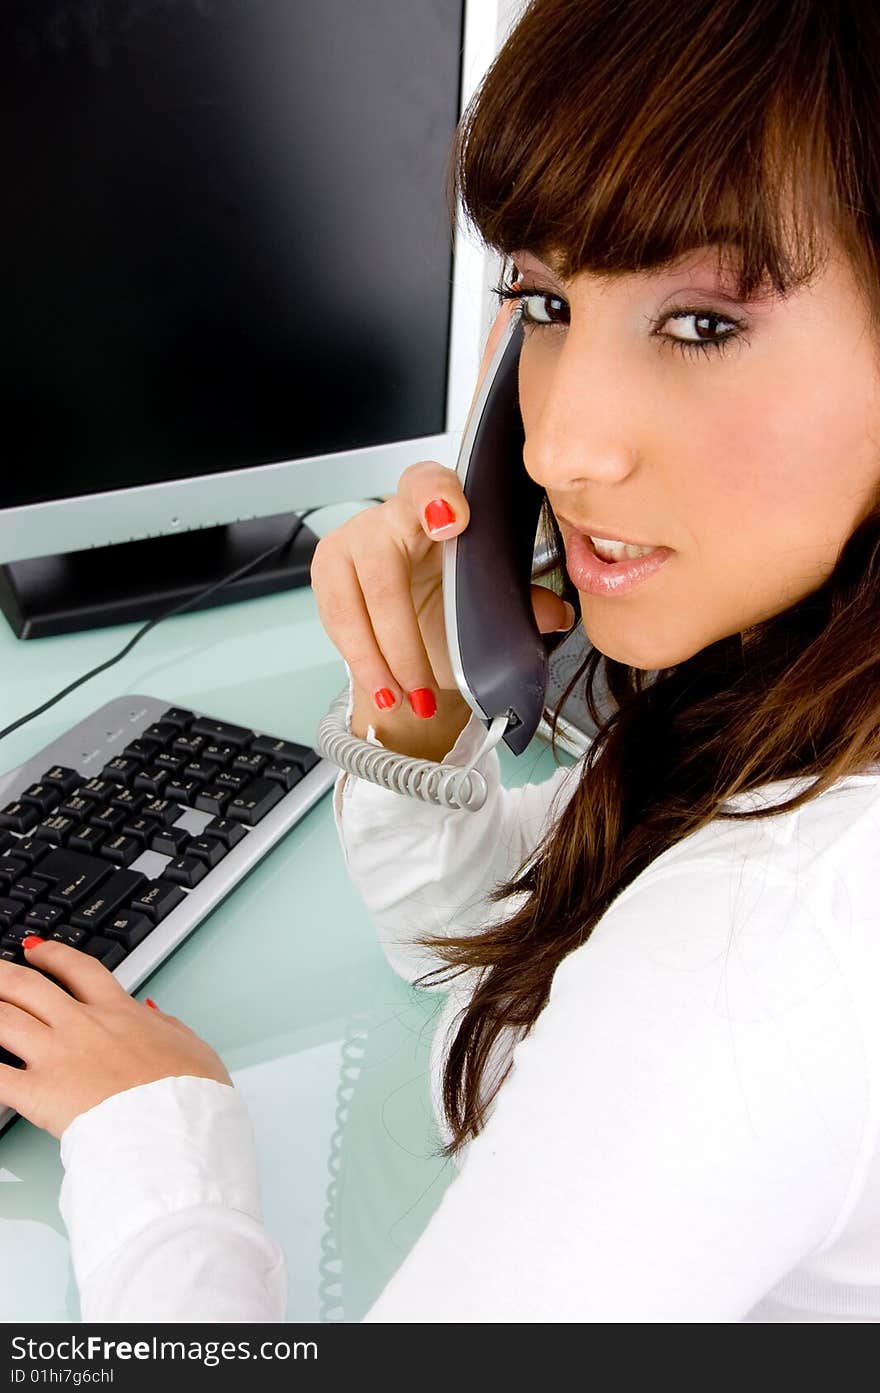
x=689 y=1132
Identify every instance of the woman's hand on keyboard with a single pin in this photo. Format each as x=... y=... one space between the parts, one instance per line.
x=84 y=1044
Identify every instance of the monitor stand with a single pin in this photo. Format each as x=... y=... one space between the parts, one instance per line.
x=139 y=580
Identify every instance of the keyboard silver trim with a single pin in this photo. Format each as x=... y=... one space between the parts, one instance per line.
x=87 y=746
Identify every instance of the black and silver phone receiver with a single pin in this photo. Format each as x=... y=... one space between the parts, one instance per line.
x=498 y=654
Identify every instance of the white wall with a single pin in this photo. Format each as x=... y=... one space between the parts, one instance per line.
x=509 y=12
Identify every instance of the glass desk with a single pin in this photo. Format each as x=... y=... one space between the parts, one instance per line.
x=328 y=1046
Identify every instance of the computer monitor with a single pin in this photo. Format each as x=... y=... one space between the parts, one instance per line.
x=233 y=291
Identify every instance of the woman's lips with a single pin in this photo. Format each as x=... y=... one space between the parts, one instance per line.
x=593 y=576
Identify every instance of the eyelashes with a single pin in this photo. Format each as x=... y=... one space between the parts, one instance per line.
x=521 y=294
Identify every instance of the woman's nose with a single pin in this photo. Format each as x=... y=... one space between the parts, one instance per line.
x=581 y=416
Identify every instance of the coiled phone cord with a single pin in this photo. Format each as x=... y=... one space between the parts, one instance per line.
x=447 y=785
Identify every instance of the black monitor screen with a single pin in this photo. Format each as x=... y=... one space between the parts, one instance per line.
x=226 y=241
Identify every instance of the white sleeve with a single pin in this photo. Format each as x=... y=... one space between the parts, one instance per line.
x=423 y=868
x=160 y=1198
x=679 y=1130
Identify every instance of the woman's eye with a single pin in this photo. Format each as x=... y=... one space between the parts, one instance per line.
x=534 y=308
x=704 y=338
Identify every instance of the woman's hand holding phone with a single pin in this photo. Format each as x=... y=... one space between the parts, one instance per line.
x=377 y=581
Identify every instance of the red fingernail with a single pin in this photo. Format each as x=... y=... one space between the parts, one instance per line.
x=438 y=514
x=422 y=701
x=383 y=698
x=31 y=941
x=152 y=1003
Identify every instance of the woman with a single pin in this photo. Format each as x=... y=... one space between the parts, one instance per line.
x=659 y=1057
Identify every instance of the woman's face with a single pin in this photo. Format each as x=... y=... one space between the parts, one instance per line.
x=753 y=464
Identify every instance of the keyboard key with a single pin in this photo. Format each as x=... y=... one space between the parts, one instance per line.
x=121 y=770
x=11 y=912
x=170 y=841
x=76 y=807
x=212 y=799
x=151 y=779
x=142 y=753
x=141 y=828
x=162 y=809
x=254 y=801
x=186 y=870
x=46 y=797
x=182 y=790
x=218 y=754
x=19 y=817
x=13 y=936
x=285 y=751
x=287 y=775
x=72 y=875
x=225 y=830
x=246 y=762
x=129 y=928
x=42 y=918
x=158 y=899
x=121 y=850
x=66 y=779
x=85 y=838
x=109 y=818
x=222 y=733
x=177 y=716
x=107 y=950
x=129 y=801
x=160 y=734
x=29 y=890
x=171 y=763
x=207 y=849
x=29 y=849
x=68 y=894
x=232 y=781
x=56 y=829
x=65 y=934
x=198 y=769
x=189 y=746
x=112 y=897
x=12 y=868
x=6 y=840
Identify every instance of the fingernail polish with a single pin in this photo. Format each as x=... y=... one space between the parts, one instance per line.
x=151 y=1003
x=421 y=699
x=438 y=515
x=383 y=698
x=569 y=617
x=31 y=941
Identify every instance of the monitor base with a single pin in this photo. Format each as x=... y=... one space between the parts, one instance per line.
x=64 y=594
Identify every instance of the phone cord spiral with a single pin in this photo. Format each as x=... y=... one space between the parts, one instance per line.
x=448 y=785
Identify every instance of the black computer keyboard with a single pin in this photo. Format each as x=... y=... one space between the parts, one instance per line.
x=120 y=836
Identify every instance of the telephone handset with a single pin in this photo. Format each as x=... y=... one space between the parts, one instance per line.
x=498 y=654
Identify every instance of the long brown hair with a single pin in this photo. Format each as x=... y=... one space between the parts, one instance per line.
x=615 y=136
